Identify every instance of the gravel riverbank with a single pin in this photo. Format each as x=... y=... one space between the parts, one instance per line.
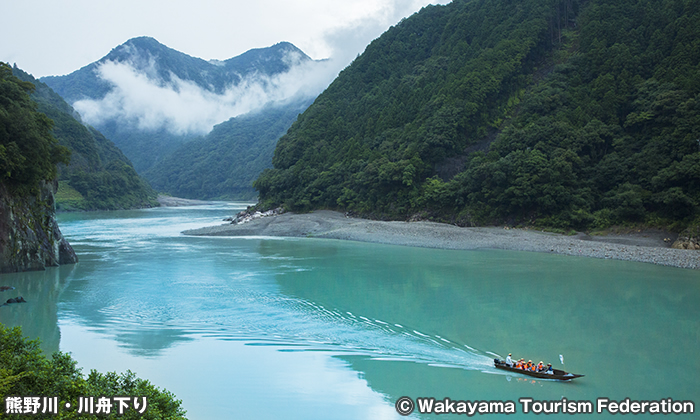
x=168 y=201
x=645 y=246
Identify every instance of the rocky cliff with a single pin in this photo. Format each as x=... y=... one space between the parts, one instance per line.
x=29 y=235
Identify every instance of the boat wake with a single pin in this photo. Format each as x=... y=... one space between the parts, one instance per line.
x=188 y=287
x=298 y=325
x=264 y=317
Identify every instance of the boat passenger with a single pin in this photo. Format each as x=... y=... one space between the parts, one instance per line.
x=549 y=369
x=509 y=361
x=520 y=364
x=528 y=365
x=540 y=366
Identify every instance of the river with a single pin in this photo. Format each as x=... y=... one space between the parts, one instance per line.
x=270 y=328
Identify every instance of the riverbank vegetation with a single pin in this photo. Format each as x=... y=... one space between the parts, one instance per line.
x=26 y=371
x=564 y=113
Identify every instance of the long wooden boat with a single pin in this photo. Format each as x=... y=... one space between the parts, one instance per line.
x=558 y=373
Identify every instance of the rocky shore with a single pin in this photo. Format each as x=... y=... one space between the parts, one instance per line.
x=29 y=235
x=651 y=247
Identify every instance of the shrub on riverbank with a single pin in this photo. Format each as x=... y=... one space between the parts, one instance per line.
x=25 y=371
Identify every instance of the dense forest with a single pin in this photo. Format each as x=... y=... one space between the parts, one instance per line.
x=223 y=164
x=99 y=176
x=559 y=113
x=29 y=152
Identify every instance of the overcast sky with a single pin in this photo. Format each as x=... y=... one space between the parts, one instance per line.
x=56 y=37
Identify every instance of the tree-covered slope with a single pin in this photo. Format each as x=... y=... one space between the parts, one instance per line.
x=224 y=163
x=99 y=176
x=558 y=112
x=29 y=152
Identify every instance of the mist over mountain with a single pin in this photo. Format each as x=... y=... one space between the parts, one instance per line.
x=164 y=66
x=224 y=163
x=150 y=99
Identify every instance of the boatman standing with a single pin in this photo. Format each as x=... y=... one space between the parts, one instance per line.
x=509 y=361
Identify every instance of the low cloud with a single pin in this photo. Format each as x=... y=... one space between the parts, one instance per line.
x=182 y=107
x=139 y=99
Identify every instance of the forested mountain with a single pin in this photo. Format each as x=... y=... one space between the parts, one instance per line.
x=29 y=235
x=564 y=113
x=224 y=163
x=99 y=176
x=150 y=99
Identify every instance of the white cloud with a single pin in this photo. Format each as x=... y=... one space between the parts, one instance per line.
x=347 y=39
x=182 y=107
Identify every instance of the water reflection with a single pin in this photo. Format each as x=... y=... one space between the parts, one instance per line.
x=37 y=317
x=139 y=280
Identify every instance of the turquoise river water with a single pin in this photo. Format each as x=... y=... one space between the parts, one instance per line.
x=270 y=328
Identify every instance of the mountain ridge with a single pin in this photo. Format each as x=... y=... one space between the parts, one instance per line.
x=140 y=51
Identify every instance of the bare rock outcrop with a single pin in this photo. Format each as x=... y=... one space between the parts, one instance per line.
x=688 y=239
x=251 y=214
x=29 y=235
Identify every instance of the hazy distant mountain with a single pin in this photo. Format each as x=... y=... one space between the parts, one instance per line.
x=223 y=164
x=150 y=99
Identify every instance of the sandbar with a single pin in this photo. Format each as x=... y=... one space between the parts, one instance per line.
x=647 y=246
